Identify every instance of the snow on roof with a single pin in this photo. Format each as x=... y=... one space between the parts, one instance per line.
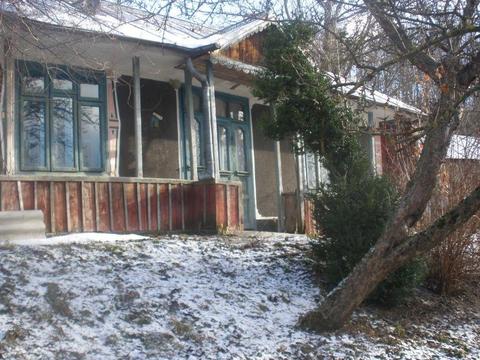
x=234 y=64
x=117 y=20
x=464 y=147
x=372 y=95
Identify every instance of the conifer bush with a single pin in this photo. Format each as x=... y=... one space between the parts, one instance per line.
x=351 y=215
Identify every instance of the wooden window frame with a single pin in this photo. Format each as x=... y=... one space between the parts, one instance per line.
x=78 y=76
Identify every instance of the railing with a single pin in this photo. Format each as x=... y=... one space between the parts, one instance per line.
x=108 y=204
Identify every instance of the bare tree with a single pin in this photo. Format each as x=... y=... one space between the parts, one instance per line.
x=441 y=39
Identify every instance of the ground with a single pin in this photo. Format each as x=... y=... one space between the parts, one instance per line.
x=193 y=297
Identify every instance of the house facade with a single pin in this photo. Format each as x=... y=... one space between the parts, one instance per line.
x=115 y=121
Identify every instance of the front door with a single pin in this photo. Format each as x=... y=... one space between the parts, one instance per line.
x=234 y=146
x=234 y=154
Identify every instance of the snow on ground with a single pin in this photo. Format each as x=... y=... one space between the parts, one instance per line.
x=193 y=297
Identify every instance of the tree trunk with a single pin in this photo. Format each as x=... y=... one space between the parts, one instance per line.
x=338 y=306
x=375 y=267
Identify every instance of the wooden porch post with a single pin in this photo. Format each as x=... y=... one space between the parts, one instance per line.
x=300 y=193
x=138 y=115
x=9 y=115
x=213 y=120
x=190 y=125
x=278 y=176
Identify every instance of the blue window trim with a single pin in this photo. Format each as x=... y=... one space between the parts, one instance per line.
x=186 y=173
x=77 y=75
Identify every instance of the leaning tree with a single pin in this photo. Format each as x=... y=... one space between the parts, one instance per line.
x=442 y=40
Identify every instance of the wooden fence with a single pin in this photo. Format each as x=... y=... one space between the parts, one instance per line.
x=108 y=204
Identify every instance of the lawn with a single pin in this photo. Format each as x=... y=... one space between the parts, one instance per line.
x=199 y=297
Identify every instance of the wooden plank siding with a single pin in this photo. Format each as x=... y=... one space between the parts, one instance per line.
x=104 y=204
x=248 y=50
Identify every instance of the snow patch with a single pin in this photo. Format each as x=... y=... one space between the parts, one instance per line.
x=80 y=238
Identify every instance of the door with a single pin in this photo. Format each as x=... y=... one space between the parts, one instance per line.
x=234 y=148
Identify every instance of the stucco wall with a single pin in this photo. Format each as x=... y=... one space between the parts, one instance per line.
x=265 y=166
x=160 y=145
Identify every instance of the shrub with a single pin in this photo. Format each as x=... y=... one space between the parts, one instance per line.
x=351 y=215
x=455 y=263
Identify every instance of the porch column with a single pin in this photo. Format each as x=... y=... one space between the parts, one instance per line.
x=9 y=116
x=190 y=125
x=138 y=115
x=213 y=120
x=278 y=176
x=300 y=192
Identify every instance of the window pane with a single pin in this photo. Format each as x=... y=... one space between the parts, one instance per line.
x=221 y=108
x=197 y=103
x=223 y=148
x=33 y=134
x=198 y=137
x=62 y=133
x=241 y=158
x=236 y=111
x=89 y=90
x=33 y=84
x=311 y=170
x=90 y=145
x=62 y=84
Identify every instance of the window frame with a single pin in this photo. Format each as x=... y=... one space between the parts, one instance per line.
x=78 y=75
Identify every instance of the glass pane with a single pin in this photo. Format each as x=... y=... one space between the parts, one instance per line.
x=62 y=84
x=221 y=108
x=197 y=103
x=236 y=111
x=223 y=147
x=241 y=157
x=62 y=133
x=198 y=137
x=33 y=134
x=311 y=170
x=89 y=90
x=33 y=84
x=90 y=146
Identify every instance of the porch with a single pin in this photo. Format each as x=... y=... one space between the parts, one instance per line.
x=118 y=204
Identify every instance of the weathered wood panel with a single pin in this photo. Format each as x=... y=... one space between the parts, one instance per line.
x=176 y=198
x=75 y=211
x=248 y=50
x=73 y=204
x=88 y=205
x=118 y=209
x=233 y=202
x=28 y=195
x=10 y=199
x=102 y=207
x=59 y=207
x=130 y=193
x=164 y=208
x=221 y=210
x=152 y=211
x=43 y=202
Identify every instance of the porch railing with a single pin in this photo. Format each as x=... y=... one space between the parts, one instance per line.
x=116 y=204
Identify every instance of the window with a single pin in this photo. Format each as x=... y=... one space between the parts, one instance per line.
x=223 y=148
x=229 y=109
x=315 y=174
x=241 y=150
x=61 y=116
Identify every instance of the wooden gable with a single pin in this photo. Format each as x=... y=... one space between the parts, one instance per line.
x=248 y=50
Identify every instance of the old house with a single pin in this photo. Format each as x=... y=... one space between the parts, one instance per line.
x=117 y=121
